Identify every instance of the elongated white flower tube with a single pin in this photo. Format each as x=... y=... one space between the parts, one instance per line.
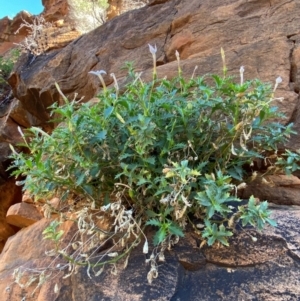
x=277 y=82
x=153 y=50
x=178 y=62
x=242 y=69
x=99 y=74
x=146 y=248
x=115 y=81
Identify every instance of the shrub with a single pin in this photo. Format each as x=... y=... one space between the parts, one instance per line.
x=167 y=153
x=36 y=42
x=7 y=63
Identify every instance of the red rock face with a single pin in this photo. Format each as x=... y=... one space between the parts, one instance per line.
x=55 y=9
x=56 y=12
x=8 y=28
x=173 y=25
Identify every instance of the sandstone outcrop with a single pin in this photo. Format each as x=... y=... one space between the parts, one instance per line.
x=266 y=51
x=8 y=28
x=267 y=269
x=54 y=10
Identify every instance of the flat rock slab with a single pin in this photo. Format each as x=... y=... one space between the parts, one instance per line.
x=268 y=269
x=23 y=215
x=281 y=189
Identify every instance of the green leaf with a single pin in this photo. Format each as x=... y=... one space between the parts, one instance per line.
x=262 y=115
x=236 y=172
x=99 y=137
x=150 y=160
x=48 y=236
x=80 y=179
x=29 y=163
x=153 y=222
x=222 y=231
x=142 y=181
x=88 y=189
x=272 y=222
x=125 y=156
x=48 y=230
x=246 y=219
x=125 y=104
x=151 y=213
x=159 y=236
x=175 y=229
x=251 y=202
x=263 y=205
x=108 y=111
x=210 y=212
x=168 y=210
x=211 y=240
x=184 y=163
x=94 y=171
x=131 y=193
x=223 y=240
x=58 y=235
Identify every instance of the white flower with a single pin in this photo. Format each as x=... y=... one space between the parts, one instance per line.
x=177 y=55
x=254 y=239
x=115 y=81
x=98 y=72
x=21 y=132
x=56 y=288
x=278 y=80
x=242 y=69
x=113 y=254
x=233 y=150
x=146 y=248
x=152 y=49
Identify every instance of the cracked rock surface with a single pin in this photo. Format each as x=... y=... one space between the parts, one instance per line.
x=260 y=35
